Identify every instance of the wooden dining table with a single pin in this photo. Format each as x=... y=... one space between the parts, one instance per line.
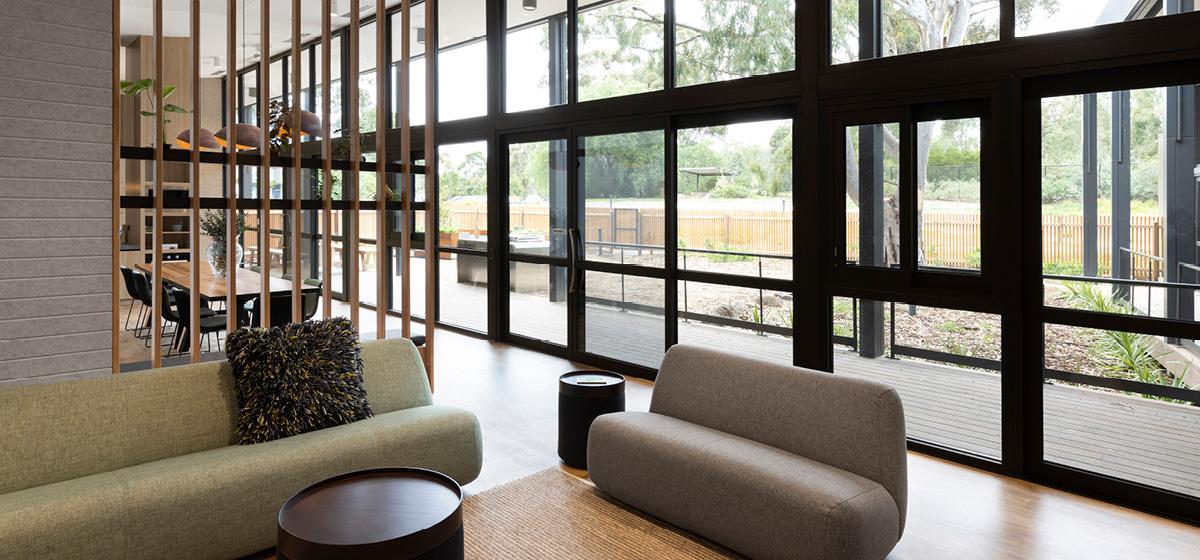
x=249 y=283
x=212 y=287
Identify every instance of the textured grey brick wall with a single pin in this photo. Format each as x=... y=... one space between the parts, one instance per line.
x=55 y=189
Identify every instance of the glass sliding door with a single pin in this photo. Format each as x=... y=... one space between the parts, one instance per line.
x=1120 y=393
x=621 y=213
x=585 y=254
x=537 y=247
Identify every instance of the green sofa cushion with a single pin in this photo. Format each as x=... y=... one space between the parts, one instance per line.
x=222 y=503
x=56 y=432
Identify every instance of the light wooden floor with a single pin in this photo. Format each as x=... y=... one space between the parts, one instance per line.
x=1132 y=438
x=954 y=511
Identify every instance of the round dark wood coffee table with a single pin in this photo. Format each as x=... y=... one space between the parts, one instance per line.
x=400 y=513
x=583 y=396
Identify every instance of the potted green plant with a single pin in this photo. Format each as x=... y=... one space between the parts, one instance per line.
x=137 y=88
x=212 y=224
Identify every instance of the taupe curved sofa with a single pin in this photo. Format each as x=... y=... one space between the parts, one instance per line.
x=769 y=460
x=144 y=464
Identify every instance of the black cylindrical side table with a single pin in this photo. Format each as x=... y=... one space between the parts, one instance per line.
x=582 y=396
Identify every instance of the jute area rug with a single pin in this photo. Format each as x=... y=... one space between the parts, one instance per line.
x=552 y=514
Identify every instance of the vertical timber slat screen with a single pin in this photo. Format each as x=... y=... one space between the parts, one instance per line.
x=275 y=224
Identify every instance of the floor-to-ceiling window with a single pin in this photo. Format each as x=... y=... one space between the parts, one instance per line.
x=734 y=235
x=911 y=204
x=1119 y=238
x=463 y=235
x=535 y=50
x=621 y=184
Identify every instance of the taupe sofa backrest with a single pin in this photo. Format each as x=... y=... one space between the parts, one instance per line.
x=851 y=424
x=60 y=431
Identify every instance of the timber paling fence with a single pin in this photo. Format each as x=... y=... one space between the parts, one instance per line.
x=949 y=239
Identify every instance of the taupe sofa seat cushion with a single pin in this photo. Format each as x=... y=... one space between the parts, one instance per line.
x=713 y=484
x=222 y=503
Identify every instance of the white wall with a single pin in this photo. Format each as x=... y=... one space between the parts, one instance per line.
x=55 y=189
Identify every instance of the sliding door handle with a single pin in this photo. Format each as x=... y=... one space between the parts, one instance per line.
x=572 y=260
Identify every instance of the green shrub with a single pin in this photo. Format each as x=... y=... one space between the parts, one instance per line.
x=1059 y=188
x=1063 y=269
x=1125 y=354
x=731 y=190
x=724 y=257
x=974 y=259
x=951 y=190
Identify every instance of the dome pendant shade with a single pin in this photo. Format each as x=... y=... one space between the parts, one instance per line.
x=310 y=123
x=248 y=137
x=205 y=139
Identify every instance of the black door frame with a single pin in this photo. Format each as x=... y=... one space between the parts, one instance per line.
x=1036 y=315
x=579 y=352
x=499 y=283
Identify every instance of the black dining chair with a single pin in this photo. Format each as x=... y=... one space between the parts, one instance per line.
x=311 y=298
x=281 y=308
x=141 y=285
x=127 y=274
x=169 y=316
x=208 y=325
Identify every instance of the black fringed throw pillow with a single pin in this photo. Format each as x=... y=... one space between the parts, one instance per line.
x=297 y=378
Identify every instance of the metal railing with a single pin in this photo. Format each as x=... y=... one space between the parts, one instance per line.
x=896 y=349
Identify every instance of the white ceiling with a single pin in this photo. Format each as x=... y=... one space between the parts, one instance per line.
x=516 y=14
x=461 y=20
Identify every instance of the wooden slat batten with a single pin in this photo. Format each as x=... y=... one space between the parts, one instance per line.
x=382 y=192
x=406 y=163
x=116 y=188
x=231 y=169
x=297 y=190
x=264 y=170
x=157 y=237
x=194 y=236
x=350 y=241
x=326 y=166
x=431 y=196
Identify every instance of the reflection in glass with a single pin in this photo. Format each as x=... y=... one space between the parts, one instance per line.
x=535 y=56
x=537 y=302
x=1047 y=16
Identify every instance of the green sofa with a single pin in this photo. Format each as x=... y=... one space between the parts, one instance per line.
x=145 y=464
